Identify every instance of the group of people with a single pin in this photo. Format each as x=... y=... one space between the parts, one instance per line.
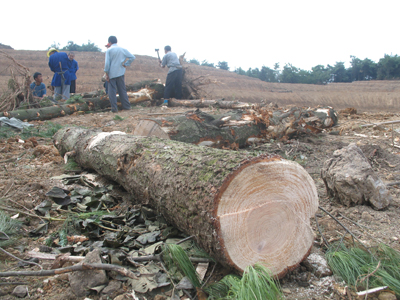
x=117 y=59
x=64 y=67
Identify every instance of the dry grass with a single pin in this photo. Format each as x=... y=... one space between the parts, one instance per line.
x=364 y=96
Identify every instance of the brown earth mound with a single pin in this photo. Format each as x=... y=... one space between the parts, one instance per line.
x=362 y=96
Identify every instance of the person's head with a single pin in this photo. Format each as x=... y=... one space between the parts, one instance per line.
x=167 y=49
x=51 y=51
x=71 y=55
x=112 y=40
x=37 y=77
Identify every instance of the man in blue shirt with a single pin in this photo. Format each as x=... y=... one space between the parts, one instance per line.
x=38 y=88
x=72 y=70
x=174 y=76
x=117 y=59
x=59 y=63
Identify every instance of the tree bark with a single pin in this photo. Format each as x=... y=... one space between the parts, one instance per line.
x=89 y=104
x=237 y=129
x=232 y=130
x=242 y=209
x=207 y=103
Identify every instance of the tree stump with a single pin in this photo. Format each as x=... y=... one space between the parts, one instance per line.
x=242 y=209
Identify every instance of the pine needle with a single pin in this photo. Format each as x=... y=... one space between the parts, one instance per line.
x=355 y=265
x=9 y=229
x=257 y=283
x=175 y=255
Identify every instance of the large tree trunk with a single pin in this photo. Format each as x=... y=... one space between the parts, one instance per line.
x=242 y=209
x=237 y=129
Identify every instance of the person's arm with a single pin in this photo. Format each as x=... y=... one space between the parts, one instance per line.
x=163 y=63
x=129 y=58
x=107 y=65
x=51 y=63
x=77 y=67
x=44 y=90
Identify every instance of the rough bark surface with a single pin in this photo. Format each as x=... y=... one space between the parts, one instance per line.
x=201 y=103
x=241 y=208
x=231 y=130
x=349 y=178
x=239 y=128
x=86 y=104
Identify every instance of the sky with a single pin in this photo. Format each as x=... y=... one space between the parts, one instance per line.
x=246 y=34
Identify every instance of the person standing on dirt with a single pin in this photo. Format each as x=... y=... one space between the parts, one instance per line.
x=117 y=59
x=72 y=70
x=38 y=88
x=60 y=63
x=174 y=76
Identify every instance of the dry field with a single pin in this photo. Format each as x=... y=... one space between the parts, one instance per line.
x=364 y=96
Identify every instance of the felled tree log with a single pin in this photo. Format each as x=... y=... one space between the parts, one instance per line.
x=87 y=104
x=207 y=103
x=237 y=129
x=232 y=130
x=242 y=209
x=155 y=85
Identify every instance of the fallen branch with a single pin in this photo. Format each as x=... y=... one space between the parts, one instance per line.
x=83 y=267
x=371 y=291
x=345 y=228
x=377 y=124
x=25 y=261
x=28 y=214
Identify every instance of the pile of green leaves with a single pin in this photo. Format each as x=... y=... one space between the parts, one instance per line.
x=363 y=269
x=47 y=130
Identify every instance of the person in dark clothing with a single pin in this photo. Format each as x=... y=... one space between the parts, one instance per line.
x=72 y=70
x=174 y=76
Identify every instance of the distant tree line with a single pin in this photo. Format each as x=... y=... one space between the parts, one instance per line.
x=386 y=68
x=71 y=46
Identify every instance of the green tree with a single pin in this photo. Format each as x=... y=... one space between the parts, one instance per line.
x=240 y=71
x=223 y=65
x=267 y=74
x=339 y=73
x=253 y=72
x=289 y=74
x=320 y=75
x=388 y=67
x=54 y=45
x=71 y=46
x=207 y=64
x=368 y=69
x=194 y=61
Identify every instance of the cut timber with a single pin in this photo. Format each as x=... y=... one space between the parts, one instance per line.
x=235 y=129
x=89 y=104
x=242 y=209
x=238 y=128
x=207 y=103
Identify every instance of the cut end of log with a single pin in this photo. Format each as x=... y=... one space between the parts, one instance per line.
x=150 y=128
x=264 y=215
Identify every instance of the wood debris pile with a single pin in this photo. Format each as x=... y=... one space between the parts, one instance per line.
x=18 y=85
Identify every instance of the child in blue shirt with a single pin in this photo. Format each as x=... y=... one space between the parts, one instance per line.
x=38 y=88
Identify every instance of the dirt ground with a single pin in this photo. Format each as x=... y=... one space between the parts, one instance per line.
x=27 y=169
